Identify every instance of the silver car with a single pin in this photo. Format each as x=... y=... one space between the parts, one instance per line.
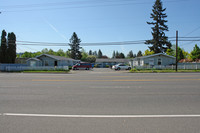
x=121 y=67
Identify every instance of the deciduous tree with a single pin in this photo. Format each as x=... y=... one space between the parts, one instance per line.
x=148 y=52
x=182 y=54
x=91 y=58
x=195 y=53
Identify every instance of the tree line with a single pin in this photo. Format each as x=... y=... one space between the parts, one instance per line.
x=194 y=55
x=8 y=47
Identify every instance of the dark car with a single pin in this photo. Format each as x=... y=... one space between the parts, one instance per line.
x=85 y=66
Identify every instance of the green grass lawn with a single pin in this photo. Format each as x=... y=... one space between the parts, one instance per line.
x=159 y=71
x=47 y=71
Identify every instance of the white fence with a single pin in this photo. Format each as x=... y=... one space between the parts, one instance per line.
x=18 y=68
x=194 y=66
x=46 y=68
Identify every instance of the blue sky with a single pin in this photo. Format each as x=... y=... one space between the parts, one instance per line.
x=95 y=21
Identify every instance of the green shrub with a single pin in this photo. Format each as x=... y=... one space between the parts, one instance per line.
x=133 y=70
x=95 y=66
x=107 y=66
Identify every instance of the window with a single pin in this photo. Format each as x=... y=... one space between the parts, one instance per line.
x=141 y=62
x=159 y=61
x=32 y=63
x=46 y=63
x=151 y=62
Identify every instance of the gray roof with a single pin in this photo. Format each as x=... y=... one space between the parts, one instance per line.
x=56 y=57
x=112 y=60
x=158 y=54
x=36 y=59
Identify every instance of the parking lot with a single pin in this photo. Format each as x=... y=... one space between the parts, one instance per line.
x=100 y=100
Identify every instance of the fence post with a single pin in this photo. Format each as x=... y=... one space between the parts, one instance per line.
x=196 y=66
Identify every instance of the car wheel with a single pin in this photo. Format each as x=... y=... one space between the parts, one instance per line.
x=118 y=68
x=129 y=68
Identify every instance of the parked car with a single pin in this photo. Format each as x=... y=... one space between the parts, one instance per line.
x=85 y=66
x=121 y=67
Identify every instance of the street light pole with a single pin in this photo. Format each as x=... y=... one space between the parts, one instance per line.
x=176 y=51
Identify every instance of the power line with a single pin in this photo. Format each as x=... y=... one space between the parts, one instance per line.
x=64 y=3
x=187 y=39
x=189 y=34
x=193 y=31
x=81 y=4
x=30 y=42
x=74 y=4
x=184 y=37
x=82 y=44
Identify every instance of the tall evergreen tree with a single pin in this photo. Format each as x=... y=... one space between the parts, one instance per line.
x=75 y=46
x=113 y=55
x=160 y=42
x=100 y=54
x=95 y=53
x=11 y=50
x=90 y=52
x=139 y=54
x=117 y=54
x=130 y=54
x=121 y=56
x=3 y=47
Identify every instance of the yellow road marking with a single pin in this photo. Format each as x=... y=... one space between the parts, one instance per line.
x=151 y=76
x=182 y=76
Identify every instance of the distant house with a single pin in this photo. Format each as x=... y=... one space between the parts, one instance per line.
x=102 y=63
x=189 y=61
x=154 y=60
x=21 y=60
x=51 y=60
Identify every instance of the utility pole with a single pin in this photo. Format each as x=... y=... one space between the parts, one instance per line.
x=176 y=51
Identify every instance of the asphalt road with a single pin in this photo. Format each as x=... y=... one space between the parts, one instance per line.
x=100 y=101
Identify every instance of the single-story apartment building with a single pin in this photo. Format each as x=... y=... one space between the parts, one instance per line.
x=51 y=60
x=21 y=60
x=102 y=63
x=159 y=59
